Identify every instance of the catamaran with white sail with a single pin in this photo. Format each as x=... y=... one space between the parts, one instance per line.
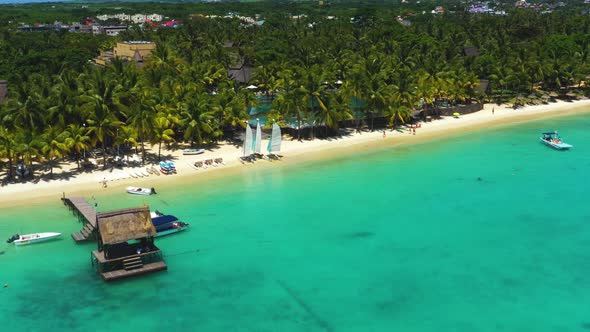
x=247 y=148
x=258 y=141
x=274 y=143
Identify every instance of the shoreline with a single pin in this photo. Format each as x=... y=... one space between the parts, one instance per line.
x=87 y=184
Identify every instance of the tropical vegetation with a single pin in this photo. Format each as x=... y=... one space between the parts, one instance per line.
x=333 y=66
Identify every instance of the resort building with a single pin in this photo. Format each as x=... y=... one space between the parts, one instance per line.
x=237 y=69
x=109 y=30
x=240 y=72
x=126 y=244
x=137 y=51
x=3 y=90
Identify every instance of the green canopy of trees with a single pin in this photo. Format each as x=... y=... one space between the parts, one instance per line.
x=334 y=64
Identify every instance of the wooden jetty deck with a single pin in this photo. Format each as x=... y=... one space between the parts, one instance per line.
x=128 y=266
x=147 y=268
x=86 y=214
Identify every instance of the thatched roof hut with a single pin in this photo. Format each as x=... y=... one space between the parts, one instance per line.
x=117 y=258
x=126 y=224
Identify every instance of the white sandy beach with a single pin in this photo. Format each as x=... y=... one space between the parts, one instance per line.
x=293 y=151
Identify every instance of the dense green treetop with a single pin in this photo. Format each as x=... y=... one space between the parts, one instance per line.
x=334 y=64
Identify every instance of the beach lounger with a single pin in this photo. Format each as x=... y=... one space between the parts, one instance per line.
x=155 y=171
x=248 y=159
x=218 y=161
x=198 y=164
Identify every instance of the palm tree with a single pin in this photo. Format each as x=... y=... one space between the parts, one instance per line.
x=28 y=145
x=102 y=123
x=314 y=88
x=229 y=106
x=291 y=100
x=142 y=116
x=102 y=106
x=162 y=132
x=77 y=140
x=53 y=146
x=126 y=136
x=198 y=119
x=64 y=98
x=7 y=147
x=399 y=113
x=337 y=110
x=29 y=104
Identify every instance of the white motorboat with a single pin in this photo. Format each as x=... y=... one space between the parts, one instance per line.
x=168 y=224
x=141 y=191
x=20 y=240
x=553 y=140
x=193 y=151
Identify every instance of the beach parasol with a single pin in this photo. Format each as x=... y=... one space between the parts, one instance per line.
x=456 y=114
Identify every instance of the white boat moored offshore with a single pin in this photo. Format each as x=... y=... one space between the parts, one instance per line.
x=141 y=191
x=553 y=140
x=20 y=240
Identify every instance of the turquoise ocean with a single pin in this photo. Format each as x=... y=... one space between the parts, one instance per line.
x=485 y=231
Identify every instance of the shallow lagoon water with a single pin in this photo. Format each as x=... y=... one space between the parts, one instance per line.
x=485 y=231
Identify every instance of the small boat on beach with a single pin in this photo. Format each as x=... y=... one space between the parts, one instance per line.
x=553 y=140
x=167 y=167
x=141 y=191
x=20 y=240
x=171 y=166
x=164 y=168
x=192 y=151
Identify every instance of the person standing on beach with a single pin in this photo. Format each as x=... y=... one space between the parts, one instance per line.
x=384 y=133
x=492 y=110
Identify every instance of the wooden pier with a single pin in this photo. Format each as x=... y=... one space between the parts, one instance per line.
x=86 y=214
x=127 y=266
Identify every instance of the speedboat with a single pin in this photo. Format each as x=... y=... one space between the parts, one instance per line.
x=20 y=240
x=141 y=191
x=553 y=140
x=168 y=224
x=193 y=151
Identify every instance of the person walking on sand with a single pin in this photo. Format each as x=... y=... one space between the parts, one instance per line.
x=384 y=133
x=104 y=182
x=492 y=110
